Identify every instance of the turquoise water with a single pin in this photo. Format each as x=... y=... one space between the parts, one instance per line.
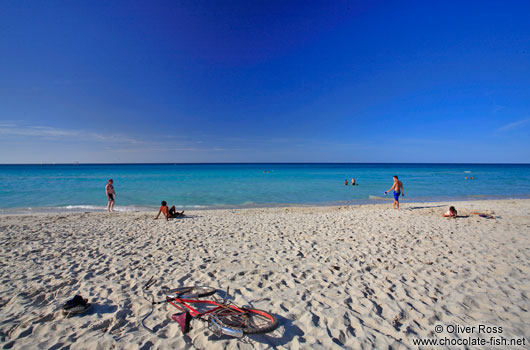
x=141 y=186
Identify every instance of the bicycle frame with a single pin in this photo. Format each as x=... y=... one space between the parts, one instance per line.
x=194 y=312
x=213 y=324
x=222 y=316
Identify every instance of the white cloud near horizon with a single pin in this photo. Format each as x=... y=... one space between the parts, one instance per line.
x=515 y=125
x=10 y=128
x=43 y=139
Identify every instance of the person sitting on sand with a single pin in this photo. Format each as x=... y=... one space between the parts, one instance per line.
x=451 y=213
x=168 y=213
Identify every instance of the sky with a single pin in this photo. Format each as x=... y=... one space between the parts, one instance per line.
x=264 y=81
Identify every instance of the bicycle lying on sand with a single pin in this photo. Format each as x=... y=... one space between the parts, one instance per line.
x=222 y=316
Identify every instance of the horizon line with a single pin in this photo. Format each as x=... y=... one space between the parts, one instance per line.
x=241 y=163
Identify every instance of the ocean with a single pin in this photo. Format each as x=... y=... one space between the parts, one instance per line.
x=65 y=187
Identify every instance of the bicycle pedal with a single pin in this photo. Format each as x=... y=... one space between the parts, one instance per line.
x=227 y=294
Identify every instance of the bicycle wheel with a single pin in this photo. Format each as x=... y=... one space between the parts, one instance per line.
x=250 y=321
x=191 y=292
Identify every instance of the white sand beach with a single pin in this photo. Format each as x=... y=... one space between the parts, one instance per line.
x=352 y=277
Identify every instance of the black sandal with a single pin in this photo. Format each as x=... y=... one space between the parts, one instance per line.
x=76 y=305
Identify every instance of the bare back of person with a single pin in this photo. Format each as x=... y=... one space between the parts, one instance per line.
x=110 y=189
x=397 y=187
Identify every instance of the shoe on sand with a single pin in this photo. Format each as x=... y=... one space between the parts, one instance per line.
x=76 y=305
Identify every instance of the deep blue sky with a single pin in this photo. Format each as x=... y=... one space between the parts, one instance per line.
x=264 y=81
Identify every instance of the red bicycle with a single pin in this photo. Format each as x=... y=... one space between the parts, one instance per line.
x=222 y=316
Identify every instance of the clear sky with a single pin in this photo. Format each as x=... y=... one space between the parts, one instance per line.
x=264 y=81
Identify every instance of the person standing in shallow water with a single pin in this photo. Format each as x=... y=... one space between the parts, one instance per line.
x=398 y=190
x=109 y=191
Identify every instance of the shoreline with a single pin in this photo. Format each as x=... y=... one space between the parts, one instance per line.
x=384 y=206
x=140 y=209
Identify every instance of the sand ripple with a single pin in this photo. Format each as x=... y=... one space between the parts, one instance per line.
x=362 y=277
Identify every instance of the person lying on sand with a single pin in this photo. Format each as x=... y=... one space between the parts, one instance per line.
x=168 y=213
x=451 y=213
x=483 y=215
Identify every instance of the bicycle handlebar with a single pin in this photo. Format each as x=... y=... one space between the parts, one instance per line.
x=149 y=283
